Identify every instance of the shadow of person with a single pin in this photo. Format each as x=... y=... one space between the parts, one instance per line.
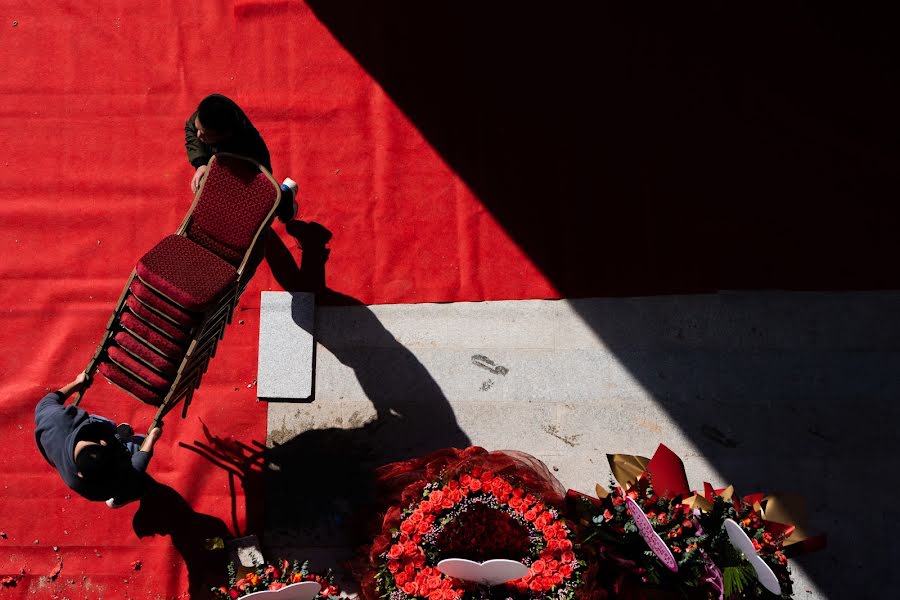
x=163 y=511
x=319 y=479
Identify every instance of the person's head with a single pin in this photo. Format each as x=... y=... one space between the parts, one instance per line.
x=96 y=461
x=216 y=120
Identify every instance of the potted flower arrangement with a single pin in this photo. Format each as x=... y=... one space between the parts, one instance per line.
x=274 y=577
x=690 y=549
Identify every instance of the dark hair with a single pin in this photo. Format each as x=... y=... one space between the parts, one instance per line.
x=218 y=113
x=95 y=462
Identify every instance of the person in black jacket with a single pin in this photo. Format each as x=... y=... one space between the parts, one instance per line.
x=95 y=458
x=219 y=125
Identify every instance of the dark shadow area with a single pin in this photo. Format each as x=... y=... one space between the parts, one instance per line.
x=164 y=512
x=640 y=151
x=635 y=150
x=412 y=415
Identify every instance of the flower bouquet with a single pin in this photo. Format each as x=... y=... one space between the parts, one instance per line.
x=477 y=506
x=275 y=578
x=665 y=538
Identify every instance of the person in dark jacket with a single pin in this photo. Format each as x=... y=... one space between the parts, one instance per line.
x=219 y=125
x=95 y=458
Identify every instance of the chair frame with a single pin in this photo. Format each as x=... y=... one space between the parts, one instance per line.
x=206 y=335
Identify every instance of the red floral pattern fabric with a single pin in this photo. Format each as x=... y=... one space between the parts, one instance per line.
x=152 y=338
x=135 y=367
x=173 y=331
x=120 y=378
x=157 y=302
x=189 y=274
x=145 y=353
x=234 y=203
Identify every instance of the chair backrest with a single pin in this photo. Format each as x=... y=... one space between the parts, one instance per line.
x=236 y=199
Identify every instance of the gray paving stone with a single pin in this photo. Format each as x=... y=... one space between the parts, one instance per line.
x=286 y=345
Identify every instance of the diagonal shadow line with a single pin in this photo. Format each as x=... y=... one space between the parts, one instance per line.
x=632 y=152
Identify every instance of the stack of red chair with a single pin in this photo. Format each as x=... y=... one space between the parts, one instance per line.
x=182 y=293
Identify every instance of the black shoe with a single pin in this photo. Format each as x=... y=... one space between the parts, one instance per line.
x=124 y=431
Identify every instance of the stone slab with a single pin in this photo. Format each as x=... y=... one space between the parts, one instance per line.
x=286 y=346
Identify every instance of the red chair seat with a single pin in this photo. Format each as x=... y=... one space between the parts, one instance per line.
x=145 y=353
x=170 y=329
x=135 y=367
x=151 y=337
x=160 y=304
x=130 y=384
x=185 y=272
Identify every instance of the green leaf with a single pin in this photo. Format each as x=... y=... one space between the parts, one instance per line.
x=737 y=578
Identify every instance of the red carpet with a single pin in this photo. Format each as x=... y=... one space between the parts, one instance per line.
x=94 y=173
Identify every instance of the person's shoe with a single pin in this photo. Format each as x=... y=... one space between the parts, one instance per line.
x=286 y=211
x=124 y=431
x=113 y=504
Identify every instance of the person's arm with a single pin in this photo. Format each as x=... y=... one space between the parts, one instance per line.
x=140 y=460
x=75 y=385
x=198 y=153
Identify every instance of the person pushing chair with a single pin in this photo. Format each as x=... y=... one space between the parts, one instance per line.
x=94 y=457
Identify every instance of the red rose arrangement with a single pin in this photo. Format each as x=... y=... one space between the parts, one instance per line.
x=274 y=577
x=479 y=516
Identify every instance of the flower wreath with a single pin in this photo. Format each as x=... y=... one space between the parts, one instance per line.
x=485 y=516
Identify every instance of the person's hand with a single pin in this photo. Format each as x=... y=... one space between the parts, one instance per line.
x=198 y=175
x=81 y=380
x=152 y=435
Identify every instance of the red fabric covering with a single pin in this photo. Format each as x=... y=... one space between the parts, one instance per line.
x=130 y=384
x=235 y=200
x=189 y=274
x=173 y=331
x=135 y=367
x=160 y=304
x=149 y=336
x=145 y=353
